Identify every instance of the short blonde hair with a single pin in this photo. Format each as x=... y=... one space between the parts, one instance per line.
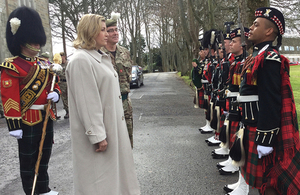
x=88 y=28
x=57 y=58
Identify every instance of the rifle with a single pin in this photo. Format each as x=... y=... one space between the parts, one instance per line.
x=243 y=39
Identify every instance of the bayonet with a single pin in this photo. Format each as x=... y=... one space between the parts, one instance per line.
x=243 y=38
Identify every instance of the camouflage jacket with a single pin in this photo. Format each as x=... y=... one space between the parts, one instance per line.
x=122 y=64
x=62 y=74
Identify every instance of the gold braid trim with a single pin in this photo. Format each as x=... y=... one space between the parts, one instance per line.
x=10 y=66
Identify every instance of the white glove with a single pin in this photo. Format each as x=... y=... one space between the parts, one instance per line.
x=57 y=67
x=53 y=96
x=16 y=133
x=264 y=150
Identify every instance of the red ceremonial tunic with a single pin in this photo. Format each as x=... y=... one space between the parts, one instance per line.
x=15 y=77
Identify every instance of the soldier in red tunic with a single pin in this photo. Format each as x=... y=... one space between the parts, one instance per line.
x=25 y=91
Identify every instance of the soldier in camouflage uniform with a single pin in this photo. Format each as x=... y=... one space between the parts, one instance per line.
x=122 y=62
x=63 y=84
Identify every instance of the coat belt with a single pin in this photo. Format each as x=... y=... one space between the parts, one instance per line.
x=247 y=98
x=38 y=107
x=124 y=96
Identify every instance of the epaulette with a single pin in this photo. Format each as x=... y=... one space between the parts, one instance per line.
x=272 y=55
x=11 y=59
x=9 y=66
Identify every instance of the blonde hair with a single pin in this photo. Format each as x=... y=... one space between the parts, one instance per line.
x=88 y=28
x=57 y=58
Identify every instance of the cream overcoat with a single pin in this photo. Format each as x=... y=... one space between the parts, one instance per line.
x=96 y=113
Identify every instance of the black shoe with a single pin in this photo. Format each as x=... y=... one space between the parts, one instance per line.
x=219 y=156
x=222 y=172
x=227 y=189
x=212 y=144
x=219 y=167
x=57 y=117
x=206 y=132
x=66 y=116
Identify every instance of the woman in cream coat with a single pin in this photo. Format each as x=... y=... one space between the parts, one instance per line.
x=102 y=155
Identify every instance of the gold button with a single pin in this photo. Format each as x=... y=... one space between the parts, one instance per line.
x=265 y=133
x=89 y=132
x=123 y=117
x=120 y=96
x=115 y=75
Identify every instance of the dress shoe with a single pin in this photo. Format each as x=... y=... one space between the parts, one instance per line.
x=50 y=193
x=206 y=131
x=217 y=156
x=229 y=169
x=224 y=163
x=239 y=188
x=66 y=116
x=216 y=143
x=206 y=128
x=209 y=139
x=220 y=153
x=230 y=187
x=57 y=117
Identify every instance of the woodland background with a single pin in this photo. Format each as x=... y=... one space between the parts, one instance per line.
x=163 y=34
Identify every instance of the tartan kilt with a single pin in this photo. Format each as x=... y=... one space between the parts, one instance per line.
x=201 y=98
x=28 y=155
x=234 y=127
x=222 y=119
x=281 y=174
x=252 y=170
x=227 y=104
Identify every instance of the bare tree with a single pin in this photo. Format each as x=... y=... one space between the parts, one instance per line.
x=173 y=26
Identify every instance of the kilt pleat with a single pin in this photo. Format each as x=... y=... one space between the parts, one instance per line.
x=234 y=127
x=201 y=98
x=281 y=173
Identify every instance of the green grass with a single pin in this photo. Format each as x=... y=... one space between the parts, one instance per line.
x=295 y=81
x=186 y=79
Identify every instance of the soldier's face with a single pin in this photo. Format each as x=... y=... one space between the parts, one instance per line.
x=226 y=43
x=113 y=35
x=235 y=46
x=202 y=54
x=26 y=50
x=257 y=33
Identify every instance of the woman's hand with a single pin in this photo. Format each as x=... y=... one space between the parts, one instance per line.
x=101 y=146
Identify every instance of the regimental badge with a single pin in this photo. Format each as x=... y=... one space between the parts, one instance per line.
x=36 y=85
x=7 y=83
x=267 y=12
x=239 y=32
x=200 y=71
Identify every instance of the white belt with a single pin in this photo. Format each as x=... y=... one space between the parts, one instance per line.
x=204 y=81
x=38 y=107
x=231 y=94
x=247 y=98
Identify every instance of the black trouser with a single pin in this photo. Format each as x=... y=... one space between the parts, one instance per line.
x=28 y=154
